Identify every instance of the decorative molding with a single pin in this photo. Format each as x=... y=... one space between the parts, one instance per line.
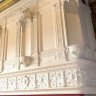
x=22 y=4
x=53 y=56
x=11 y=65
x=4 y=4
x=69 y=77
x=49 y=80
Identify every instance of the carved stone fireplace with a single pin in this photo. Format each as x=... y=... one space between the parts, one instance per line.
x=47 y=47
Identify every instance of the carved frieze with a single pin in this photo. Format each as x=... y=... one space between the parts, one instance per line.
x=52 y=79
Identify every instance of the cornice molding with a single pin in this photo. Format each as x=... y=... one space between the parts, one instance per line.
x=21 y=5
x=4 y=4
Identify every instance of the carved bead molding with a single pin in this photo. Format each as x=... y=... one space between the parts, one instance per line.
x=49 y=79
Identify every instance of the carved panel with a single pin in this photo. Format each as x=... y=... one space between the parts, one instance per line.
x=12 y=83
x=51 y=56
x=11 y=65
x=42 y=80
x=53 y=79
x=59 y=27
x=3 y=84
x=32 y=82
x=71 y=76
x=23 y=82
x=57 y=79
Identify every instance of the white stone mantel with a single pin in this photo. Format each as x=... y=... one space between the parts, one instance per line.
x=58 y=47
x=70 y=78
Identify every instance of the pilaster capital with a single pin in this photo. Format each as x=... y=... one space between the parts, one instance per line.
x=27 y=14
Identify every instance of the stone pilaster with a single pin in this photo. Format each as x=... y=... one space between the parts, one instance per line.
x=86 y=26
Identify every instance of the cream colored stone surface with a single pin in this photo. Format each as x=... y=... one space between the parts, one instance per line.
x=47 y=46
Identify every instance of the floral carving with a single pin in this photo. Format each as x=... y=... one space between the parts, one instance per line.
x=12 y=83
x=42 y=80
x=72 y=77
x=65 y=78
x=3 y=84
x=57 y=79
x=23 y=82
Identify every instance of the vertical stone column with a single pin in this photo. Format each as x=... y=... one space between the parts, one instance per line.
x=18 y=43
x=1 y=49
x=21 y=28
x=64 y=23
x=36 y=46
x=30 y=16
x=90 y=30
x=86 y=25
x=20 y=38
x=62 y=41
x=3 y=45
x=59 y=24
